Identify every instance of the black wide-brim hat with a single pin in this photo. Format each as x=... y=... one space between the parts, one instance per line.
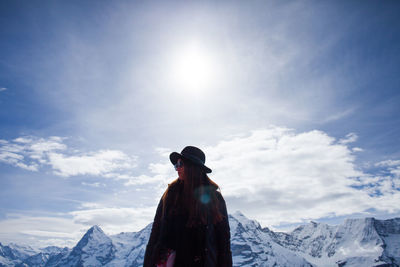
x=193 y=154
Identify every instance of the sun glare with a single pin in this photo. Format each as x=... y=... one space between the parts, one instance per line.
x=194 y=68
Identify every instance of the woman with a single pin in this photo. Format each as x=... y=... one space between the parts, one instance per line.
x=191 y=218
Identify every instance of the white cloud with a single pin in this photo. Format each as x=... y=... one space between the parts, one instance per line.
x=114 y=220
x=339 y=115
x=163 y=151
x=10 y=157
x=2 y=89
x=98 y=163
x=66 y=229
x=90 y=205
x=31 y=167
x=29 y=152
x=144 y=179
x=388 y=163
x=276 y=175
x=41 y=146
x=350 y=138
x=396 y=172
x=393 y=167
x=161 y=173
x=24 y=140
x=97 y=184
x=32 y=153
x=40 y=231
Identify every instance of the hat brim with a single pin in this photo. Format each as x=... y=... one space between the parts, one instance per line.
x=174 y=156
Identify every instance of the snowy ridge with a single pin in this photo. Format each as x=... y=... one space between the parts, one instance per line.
x=13 y=254
x=130 y=248
x=356 y=242
x=253 y=246
x=389 y=231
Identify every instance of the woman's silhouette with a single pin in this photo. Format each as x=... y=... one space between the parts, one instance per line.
x=191 y=220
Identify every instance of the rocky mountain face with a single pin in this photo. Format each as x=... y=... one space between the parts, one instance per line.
x=94 y=249
x=253 y=246
x=356 y=242
x=20 y=256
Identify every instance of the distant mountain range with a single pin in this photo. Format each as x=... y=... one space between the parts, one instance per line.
x=356 y=242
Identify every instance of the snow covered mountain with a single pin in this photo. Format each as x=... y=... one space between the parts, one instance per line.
x=253 y=246
x=16 y=255
x=94 y=249
x=357 y=242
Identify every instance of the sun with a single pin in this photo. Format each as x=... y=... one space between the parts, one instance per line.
x=194 y=68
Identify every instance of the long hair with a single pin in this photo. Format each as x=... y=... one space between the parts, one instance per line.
x=199 y=197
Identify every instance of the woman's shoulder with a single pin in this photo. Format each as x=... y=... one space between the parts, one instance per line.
x=219 y=195
x=173 y=187
x=174 y=184
x=170 y=188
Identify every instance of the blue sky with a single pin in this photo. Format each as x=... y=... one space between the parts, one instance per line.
x=295 y=104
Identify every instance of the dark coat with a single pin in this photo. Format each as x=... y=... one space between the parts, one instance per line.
x=203 y=246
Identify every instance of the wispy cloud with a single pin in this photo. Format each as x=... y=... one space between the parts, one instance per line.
x=65 y=229
x=350 y=138
x=114 y=219
x=393 y=167
x=339 y=115
x=100 y=163
x=40 y=231
x=2 y=89
x=145 y=179
x=389 y=163
x=97 y=184
x=32 y=153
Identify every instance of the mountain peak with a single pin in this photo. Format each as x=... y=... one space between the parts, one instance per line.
x=94 y=235
x=238 y=213
x=94 y=249
x=95 y=228
x=241 y=219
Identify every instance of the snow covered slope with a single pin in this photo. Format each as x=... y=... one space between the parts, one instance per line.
x=43 y=257
x=389 y=231
x=130 y=248
x=356 y=242
x=253 y=246
x=13 y=254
